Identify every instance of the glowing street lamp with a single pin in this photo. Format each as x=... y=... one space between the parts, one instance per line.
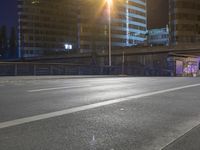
x=19 y=37
x=109 y=3
x=34 y=3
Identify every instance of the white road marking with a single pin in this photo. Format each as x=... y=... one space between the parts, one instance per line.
x=57 y=88
x=87 y=107
x=71 y=87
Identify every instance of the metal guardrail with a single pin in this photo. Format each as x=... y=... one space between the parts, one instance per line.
x=29 y=69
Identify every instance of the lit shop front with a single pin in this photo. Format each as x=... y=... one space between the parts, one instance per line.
x=185 y=65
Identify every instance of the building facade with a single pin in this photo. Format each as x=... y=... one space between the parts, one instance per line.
x=184 y=21
x=46 y=27
x=128 y=24
x=52 y=26
x=92 y=26
x=158 y=37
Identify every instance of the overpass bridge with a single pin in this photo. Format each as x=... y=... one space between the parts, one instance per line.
x=159 y=60
x=189 y=50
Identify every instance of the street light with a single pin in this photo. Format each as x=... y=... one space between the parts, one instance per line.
x=109 y=2
x=34 y=3
x=19 y=37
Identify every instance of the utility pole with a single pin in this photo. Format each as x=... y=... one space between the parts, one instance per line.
x=123 y=61
x=109 y=2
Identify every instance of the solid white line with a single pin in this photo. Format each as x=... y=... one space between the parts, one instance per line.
x=57 y=88
x=64 y=87
x=86 y=107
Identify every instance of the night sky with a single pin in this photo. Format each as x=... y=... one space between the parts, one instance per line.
x=157 y=13
x=8 y=13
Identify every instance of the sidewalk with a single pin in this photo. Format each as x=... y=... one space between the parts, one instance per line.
x=189 y=141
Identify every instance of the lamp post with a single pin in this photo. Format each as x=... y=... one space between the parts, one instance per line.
x=34 y=3
x=109 y=2
x=19 y=37
x=123 y=61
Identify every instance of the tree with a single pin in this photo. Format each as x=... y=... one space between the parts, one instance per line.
x=13 y=42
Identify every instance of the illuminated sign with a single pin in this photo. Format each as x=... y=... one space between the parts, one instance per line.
x=68 y=46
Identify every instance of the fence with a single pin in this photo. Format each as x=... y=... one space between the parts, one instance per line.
x=28 y=69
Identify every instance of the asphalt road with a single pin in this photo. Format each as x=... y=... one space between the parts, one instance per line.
x=99 y=113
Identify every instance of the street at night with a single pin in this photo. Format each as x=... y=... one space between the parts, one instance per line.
x=100 y=75
x=99 y=113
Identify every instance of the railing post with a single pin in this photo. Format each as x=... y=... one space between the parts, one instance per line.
x=16 y=70
x=34 y=69
x=65 y=69
x=79 y=70
x=51 y=70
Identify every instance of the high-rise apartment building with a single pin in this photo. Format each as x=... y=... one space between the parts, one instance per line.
x=48 y=26
x=92 y=26
x=184 y=21
x=128 y=24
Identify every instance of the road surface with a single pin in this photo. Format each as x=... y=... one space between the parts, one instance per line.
x=99 y=113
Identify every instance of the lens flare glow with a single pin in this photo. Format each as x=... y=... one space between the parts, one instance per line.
x=109 y=2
